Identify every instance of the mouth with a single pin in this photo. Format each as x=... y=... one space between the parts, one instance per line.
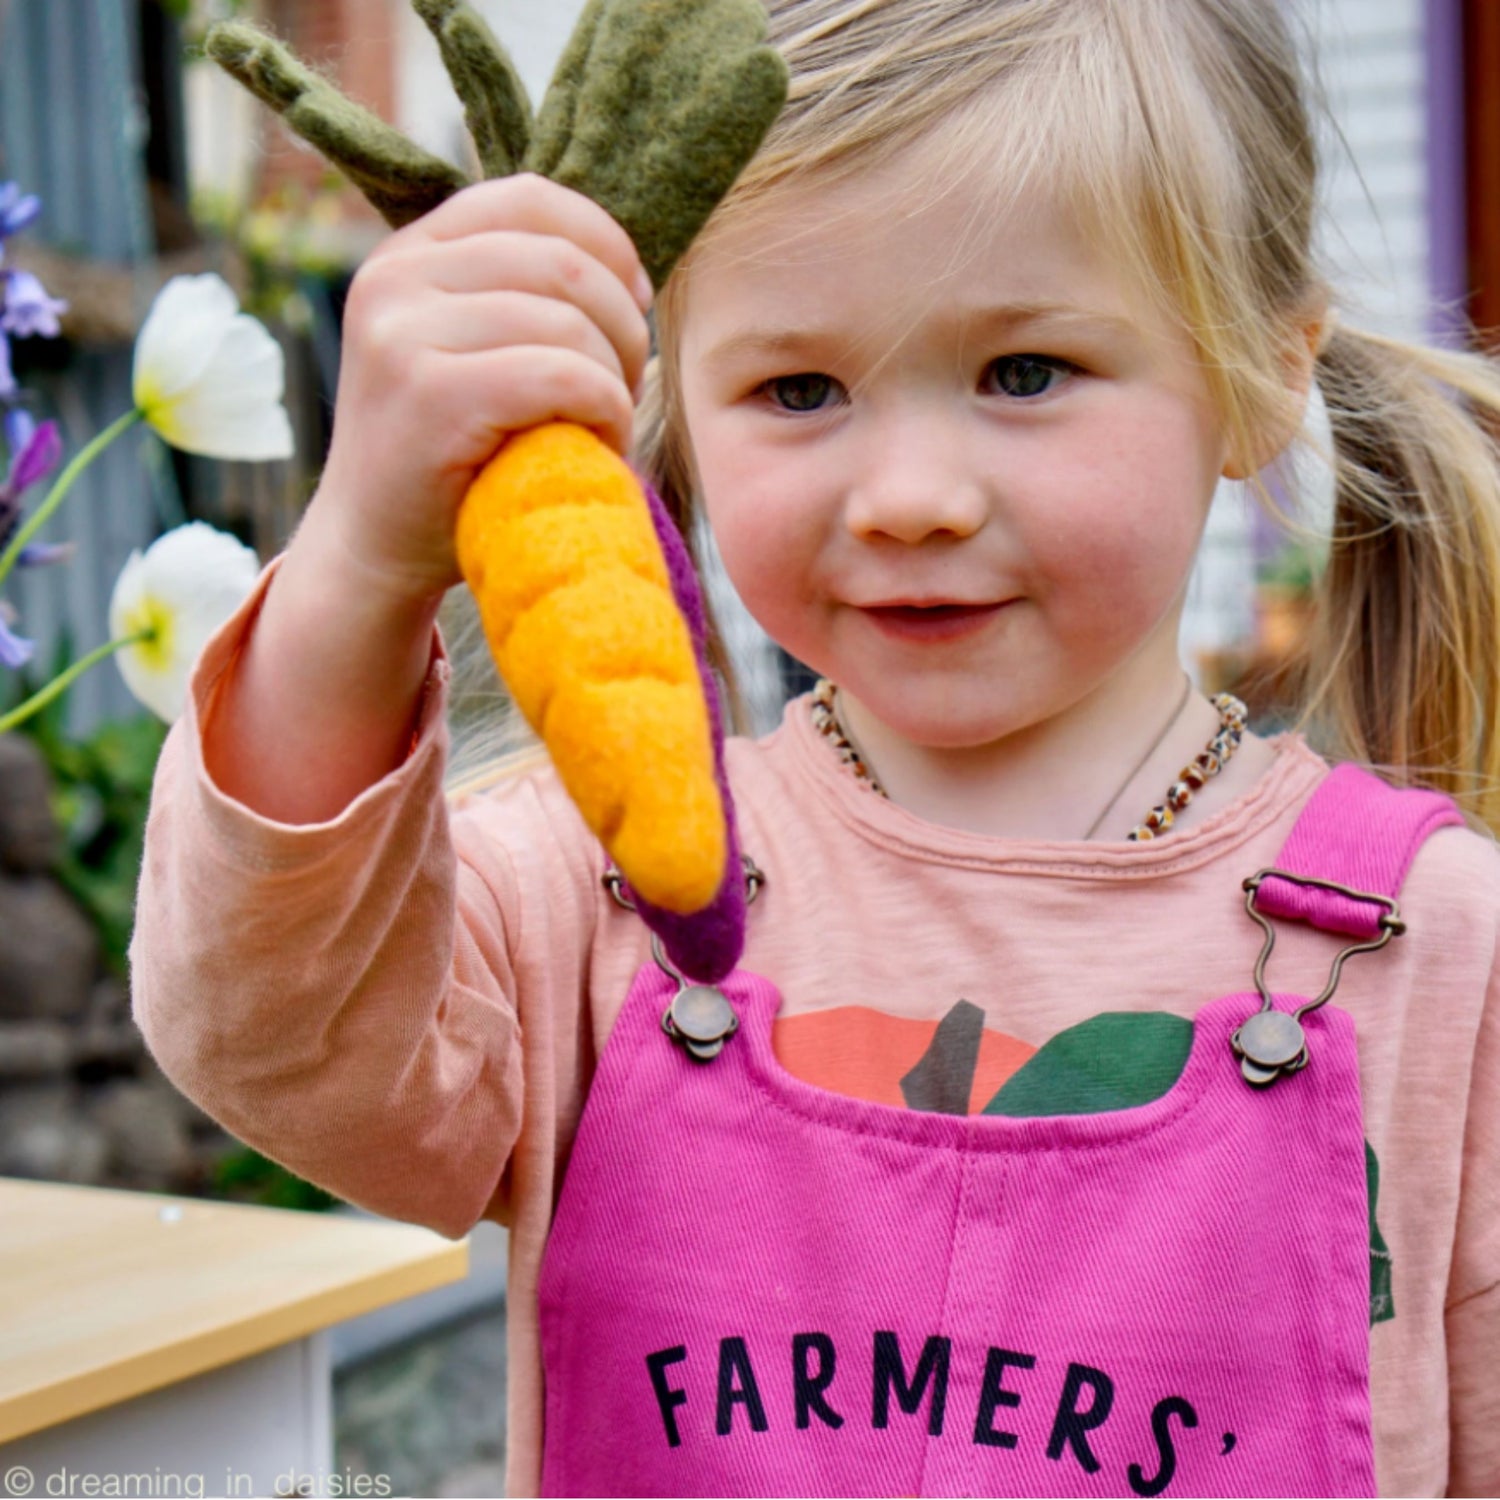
x=927 y=606
x=935 y=621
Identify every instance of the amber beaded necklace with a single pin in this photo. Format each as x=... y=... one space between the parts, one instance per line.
x=1206 y=764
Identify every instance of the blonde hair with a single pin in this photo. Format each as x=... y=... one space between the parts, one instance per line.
x=1180 y=132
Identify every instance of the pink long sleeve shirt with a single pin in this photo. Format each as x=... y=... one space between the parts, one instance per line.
x=405 y=1004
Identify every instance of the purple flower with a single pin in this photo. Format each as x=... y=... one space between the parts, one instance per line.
x=33 y=461
x=35 y=451
x=36 y=455
x=39 y=554
x=36 y=458
x=17 y=209
x=15 y=650
x=26 y=310
x=18 y=424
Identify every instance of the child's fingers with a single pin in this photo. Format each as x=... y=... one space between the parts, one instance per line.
x=534 y=203
x=492 y=320
x=551 y=267
x=525 y=385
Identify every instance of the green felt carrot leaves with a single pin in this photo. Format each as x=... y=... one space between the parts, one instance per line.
x=656 y=107
x=494 y=98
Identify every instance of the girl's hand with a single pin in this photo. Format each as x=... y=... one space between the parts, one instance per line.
x=515 y=301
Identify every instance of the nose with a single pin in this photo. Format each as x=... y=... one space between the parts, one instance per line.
x=914 y=480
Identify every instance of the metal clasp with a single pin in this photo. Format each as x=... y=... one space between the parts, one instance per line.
x=1390 y=922
x=614 y=882
x=700 y=1017
x=1269 y=1048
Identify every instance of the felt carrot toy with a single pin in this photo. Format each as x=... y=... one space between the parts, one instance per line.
x=584 y=628
x=585 y=589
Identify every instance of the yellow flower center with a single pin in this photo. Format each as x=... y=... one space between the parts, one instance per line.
x=153 y=616
x=159 y=413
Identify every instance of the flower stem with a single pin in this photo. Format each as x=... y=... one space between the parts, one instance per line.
x=80 y=461
x=63 y=680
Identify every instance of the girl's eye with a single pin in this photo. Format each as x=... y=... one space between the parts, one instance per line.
x=1027 y=375
x=800 y=393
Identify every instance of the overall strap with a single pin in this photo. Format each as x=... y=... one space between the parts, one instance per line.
x=1355 y=831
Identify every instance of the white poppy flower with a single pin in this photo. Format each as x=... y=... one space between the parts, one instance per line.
x=208 y=377
x=184 y=586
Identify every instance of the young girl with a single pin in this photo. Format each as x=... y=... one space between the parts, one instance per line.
x=1001 y=1182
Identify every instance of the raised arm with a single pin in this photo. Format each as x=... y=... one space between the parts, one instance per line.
x=337 y=993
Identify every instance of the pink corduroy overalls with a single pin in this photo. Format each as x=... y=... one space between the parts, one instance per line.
x=754 y=1286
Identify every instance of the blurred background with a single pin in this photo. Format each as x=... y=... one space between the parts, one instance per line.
x=150 y=163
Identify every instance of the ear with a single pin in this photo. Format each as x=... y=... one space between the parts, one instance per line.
x=1306 y=336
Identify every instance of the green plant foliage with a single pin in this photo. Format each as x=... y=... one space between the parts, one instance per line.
x=283 y=243
x=101 y=791
x=245 y=1176
x=1293 y=567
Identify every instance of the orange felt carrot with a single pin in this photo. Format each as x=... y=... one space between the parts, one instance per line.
x=555 y=540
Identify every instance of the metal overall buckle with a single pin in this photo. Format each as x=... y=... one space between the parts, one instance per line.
x=699 y=1016
x=1272 y=1042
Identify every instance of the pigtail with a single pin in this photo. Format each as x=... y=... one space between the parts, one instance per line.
x=660 y=454
x=1402 y=664
x=489 y=740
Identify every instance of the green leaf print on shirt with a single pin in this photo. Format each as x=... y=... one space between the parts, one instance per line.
x=1381 y=1305
x=1116 y=1060
x=1123 y=1059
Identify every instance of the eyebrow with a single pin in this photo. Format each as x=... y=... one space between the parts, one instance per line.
x=1003 y=317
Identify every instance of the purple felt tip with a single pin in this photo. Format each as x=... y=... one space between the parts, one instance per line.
x=707 y=944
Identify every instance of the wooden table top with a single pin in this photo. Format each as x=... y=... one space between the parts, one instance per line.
x=105 y=1295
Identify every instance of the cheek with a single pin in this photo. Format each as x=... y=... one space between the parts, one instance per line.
x=767 y=528
x=1121 y=541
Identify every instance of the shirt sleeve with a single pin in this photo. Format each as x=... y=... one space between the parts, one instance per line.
x=338 y=995
x=1472 y=1315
